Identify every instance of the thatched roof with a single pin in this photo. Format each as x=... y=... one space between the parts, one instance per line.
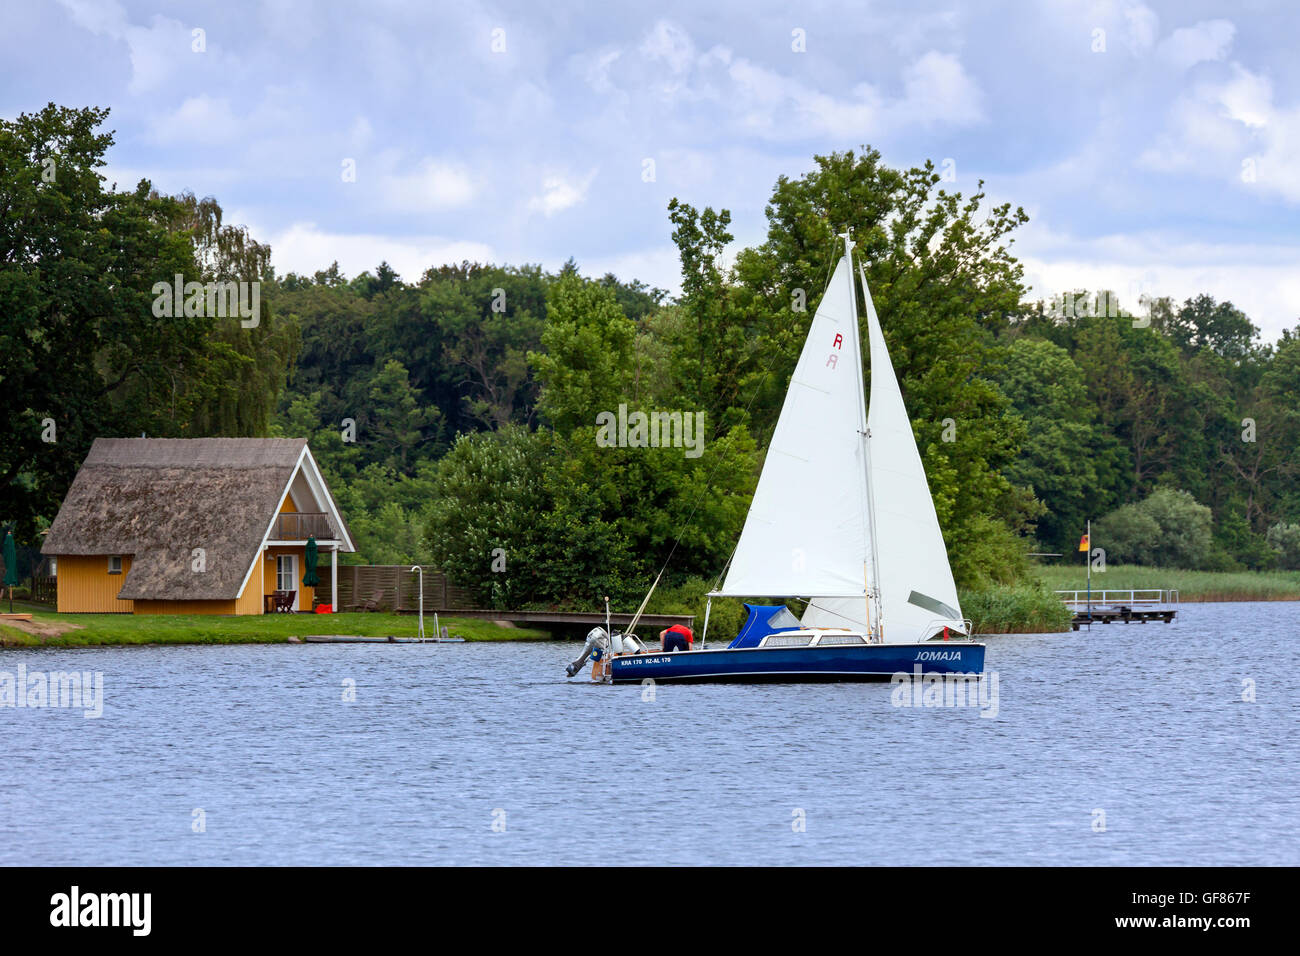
x=160 y=498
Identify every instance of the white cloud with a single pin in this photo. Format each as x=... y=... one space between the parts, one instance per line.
x=914 y=29
x=1221 y=128
x=156 y=51
x=560 y=193
x=199 y=120
x=657 y=266
x=361 y=132
x=435 y=185
x=1187 y=46
x=1143 y=24
x=1260 y=279
x=291 y=23
x=670 y=44
x=772 y=105
x=1247 y=97
x=597 y=67
x=304 y=248
x=105 y=17
x=1199 y=137
x=938 y=90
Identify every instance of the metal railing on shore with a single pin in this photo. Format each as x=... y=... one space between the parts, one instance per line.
x=1111 y=597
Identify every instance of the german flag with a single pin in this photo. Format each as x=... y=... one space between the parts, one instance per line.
x=1083 y=543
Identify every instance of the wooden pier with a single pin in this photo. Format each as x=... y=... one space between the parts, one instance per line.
x=396 y=588
x=571 y=617
x=1121 y=607
x=1120 y=615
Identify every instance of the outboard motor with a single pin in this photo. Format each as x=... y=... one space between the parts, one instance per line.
x=597 y=640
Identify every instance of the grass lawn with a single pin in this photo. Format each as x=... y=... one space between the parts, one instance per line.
x=1191 y=585
x=84 y=629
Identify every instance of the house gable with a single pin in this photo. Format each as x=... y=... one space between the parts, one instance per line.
x=307 y=479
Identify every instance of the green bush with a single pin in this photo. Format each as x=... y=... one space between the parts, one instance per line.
x=1284 y=539
x=1022 y=609
x=1169 y=528
x=991 y=555
x=1236 y=545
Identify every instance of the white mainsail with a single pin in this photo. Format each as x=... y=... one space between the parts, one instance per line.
x=806 y=532
x=918 y=596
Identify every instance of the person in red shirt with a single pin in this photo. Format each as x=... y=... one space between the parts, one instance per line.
x=676 y=638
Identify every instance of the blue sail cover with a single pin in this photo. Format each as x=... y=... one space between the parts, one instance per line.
x=764 y=619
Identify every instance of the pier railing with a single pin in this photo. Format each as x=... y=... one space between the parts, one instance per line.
x=1110 y=597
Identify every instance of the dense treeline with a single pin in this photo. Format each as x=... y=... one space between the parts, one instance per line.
x=1177 y=424
x=459 y=416
x=84 y=349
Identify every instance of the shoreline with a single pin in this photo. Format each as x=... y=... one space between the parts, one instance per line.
x=50 y=629
x=1192 y=586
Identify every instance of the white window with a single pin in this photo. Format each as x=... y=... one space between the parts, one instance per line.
x=114 y=564
x=54 y=567
x=286 y=572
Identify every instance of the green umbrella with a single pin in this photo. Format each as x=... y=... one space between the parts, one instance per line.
x=11 y=567
x=311 y=579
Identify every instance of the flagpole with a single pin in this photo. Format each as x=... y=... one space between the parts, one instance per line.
x=1087 y=557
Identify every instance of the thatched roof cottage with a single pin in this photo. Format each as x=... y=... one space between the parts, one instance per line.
x=195 y=526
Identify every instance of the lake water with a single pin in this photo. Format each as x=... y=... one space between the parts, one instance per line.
x=486 y=754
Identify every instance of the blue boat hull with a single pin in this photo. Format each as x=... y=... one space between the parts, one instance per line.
x=857 y=662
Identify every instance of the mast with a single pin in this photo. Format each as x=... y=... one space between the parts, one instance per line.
x=871 y=579
x=871 y=487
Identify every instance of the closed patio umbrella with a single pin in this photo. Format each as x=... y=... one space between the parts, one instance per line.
x=11 y=567
x=311 y=579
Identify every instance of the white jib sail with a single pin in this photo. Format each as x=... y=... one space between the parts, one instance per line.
x=917 y=585
x=917 y=591
x=806 y=532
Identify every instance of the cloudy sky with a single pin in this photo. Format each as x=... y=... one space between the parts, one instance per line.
x=1156 y=146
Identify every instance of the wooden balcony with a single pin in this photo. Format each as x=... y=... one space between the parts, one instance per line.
x=302 y=525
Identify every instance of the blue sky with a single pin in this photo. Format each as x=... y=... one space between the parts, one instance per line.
x=1156 y=146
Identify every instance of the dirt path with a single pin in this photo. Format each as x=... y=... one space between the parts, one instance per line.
x=43 y=629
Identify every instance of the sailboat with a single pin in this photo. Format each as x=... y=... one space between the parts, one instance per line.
x=842 y=518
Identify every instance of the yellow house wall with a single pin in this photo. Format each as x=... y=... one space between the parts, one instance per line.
x=250 y=602
x=86 y=587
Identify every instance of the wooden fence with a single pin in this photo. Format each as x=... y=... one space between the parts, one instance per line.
x=45 y=589
x=396 y=586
